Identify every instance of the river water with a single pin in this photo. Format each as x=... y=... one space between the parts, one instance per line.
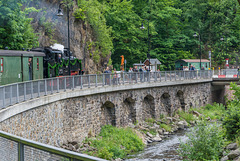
x=162 y=151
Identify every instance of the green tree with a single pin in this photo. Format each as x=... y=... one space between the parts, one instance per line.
x=127 y=36
x=93 y=12
x=212 y=20
x=16 y=31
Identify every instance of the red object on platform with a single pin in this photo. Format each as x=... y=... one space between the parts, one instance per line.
x=74 y=73
x=221 y=76
x=234 y=76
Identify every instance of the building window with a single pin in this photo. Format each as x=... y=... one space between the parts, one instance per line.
x=1 y=64
x=37 y=63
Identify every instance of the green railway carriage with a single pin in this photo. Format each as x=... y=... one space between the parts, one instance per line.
x=18 y=66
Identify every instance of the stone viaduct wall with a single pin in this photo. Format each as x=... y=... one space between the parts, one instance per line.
x=65 y=120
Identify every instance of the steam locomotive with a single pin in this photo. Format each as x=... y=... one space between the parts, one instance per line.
x=37 y=63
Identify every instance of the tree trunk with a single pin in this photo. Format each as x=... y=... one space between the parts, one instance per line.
x=239 y=2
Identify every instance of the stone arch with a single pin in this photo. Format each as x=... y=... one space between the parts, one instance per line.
x=128 y=112
x=148 y=108
x=108 y=116
x=180 y=96
x=166 y=103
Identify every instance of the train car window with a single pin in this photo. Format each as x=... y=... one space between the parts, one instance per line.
x=1 y=64
x=37 y=63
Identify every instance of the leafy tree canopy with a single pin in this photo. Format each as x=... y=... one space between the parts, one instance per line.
x=16 y=31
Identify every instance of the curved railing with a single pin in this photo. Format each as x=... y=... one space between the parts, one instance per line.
x=19 y=92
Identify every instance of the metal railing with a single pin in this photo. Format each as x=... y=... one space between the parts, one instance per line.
x=19 y=92
x=16 y=148
x=226 y=72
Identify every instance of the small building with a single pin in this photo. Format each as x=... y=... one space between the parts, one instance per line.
x=154 y=64
x=194 y=62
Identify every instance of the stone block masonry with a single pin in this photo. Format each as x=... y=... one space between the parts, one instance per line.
x=70 y=120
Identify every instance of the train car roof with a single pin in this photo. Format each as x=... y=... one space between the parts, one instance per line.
x=21 y=53
x=49 y=49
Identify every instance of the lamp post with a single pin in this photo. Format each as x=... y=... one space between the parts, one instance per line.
x=148 y=54
x=227 y=59
x=60 y=13
x=142 y=27
x=200 y=50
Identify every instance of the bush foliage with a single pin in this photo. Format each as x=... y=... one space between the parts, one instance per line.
x=205 y=142
x=231 y=121
x=115 y=142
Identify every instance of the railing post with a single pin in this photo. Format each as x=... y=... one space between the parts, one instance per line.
x=81 y=77
x=10 y=94
x=144 y=75
x=130 y=80
x=45 y=87
x=38 y=88
x=118 y=82
x=65 y=84
x=123 y=78
x=160 y=76
x=103 y=80
x=200 y=74
x=17 y=93
x=183 y=75
x=52 y=86
x=20 y=152
x=24 y=90
x=136 y=77
x=170 y=76
x=73 y=86
x=110 y=79
x=155 y=76
x=96 y=81
x=165 y=76
x=3 y=97
x=88 y=81
x=31 y=90
x=149 y=77
x=175 y=75
x=58 y=85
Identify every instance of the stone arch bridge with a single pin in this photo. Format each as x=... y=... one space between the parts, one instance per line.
x=70 y=116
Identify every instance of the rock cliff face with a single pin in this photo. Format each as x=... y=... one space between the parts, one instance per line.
x=54 y=29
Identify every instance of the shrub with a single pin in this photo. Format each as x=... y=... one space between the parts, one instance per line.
x=205 y=142
x=214 y=111
x=166 y=127
x=231 y=122
x=115 y=142
x=150 y=120
x=186 y=116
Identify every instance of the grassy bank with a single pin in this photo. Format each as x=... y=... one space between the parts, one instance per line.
x=208 y=112
x=113 y=143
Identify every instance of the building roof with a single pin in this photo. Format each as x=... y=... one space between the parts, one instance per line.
x=138 y=64
x=153 y=61
x=194 y=60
